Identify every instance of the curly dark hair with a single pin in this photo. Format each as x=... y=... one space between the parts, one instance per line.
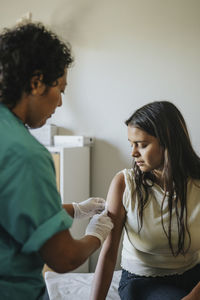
x=27 y=50
x=163 y=120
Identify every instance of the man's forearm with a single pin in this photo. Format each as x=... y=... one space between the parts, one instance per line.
x=69 y=209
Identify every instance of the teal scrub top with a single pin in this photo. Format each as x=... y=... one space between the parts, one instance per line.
x=30 y=209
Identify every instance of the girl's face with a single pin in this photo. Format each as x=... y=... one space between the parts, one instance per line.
x=146 y=150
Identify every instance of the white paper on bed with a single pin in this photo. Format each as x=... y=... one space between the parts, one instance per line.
x=76 y=286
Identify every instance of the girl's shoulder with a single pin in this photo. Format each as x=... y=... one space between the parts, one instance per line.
x=128 y=175
x=126 y=179
x=193 y=186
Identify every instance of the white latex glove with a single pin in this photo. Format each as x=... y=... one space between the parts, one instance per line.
x=88 y=208
x=100 y=226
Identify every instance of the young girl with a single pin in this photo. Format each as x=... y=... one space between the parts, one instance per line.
x=157 y=202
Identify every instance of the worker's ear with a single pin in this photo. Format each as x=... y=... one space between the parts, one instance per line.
x=37 y=85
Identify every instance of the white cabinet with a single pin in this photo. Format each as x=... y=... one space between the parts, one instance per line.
x=73 y=181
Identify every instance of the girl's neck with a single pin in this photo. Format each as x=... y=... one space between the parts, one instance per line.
x=159 y=178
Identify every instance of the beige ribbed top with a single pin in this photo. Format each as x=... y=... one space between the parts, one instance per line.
x=148 y=252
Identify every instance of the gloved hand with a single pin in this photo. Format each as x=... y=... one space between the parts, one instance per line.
x=100 y=226
x=88 y=208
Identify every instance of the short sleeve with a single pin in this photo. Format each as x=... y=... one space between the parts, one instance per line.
x=129 y=186
x=31 y=209
x=46 y=230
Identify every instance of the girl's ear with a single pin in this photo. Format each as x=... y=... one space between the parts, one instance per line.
x=37 y=85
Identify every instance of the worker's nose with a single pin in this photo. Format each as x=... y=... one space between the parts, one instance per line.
x=60 y=101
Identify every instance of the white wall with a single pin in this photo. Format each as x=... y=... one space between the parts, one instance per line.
x=127 y=53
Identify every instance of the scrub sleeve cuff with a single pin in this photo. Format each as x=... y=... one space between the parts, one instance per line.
x=59 y=222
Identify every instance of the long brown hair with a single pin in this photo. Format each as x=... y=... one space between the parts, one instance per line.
x=163 y=120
